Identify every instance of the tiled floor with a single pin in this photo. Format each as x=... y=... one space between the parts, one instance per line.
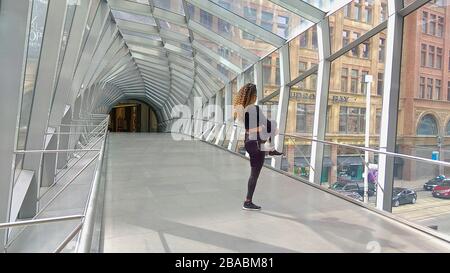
x=186 y=196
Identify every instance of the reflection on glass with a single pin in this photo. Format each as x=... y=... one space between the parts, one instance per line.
x=271 y=73
x=353 y=20
x=269 y=16
x=170 y=5
x=303 y=52
x=132 y=17
x=229 y=31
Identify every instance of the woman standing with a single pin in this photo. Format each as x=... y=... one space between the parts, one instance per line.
x=258 y=130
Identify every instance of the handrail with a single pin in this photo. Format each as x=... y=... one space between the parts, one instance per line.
x=92 y=194
x=40 y=221
x=85 y=239
x=436 y=162
x=54 y=151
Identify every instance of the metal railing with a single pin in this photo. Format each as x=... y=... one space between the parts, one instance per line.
x=87 y=220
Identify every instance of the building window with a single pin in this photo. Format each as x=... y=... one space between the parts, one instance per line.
x=423 y=55
x=383 y=12
x=313 y=82
x=448 y=91
x=439 y=58
x=357 y=10
x=206 y=19
x=422 y=88
x=380 y=84
x=344 y=79
x=352 y=120
x=366 y=50
x=430 y=56
x=250 y=15
x=425 y=22
x=354 y=81
x=437 y=89
x=378 y=122
x=345 y=37
x=267 y=70
x=304 y=39
x=283 y=26
x=363 y=84
x=267 y=20
x=302 y=66
x=355 y=50
x=429 y=94
x=305 y=118
x=447 y=131
x=432 y=24
x=381 y=50
x=348 y=11
x=427 y=126
x=440 y=27
x=314 y=41
x=368 y=12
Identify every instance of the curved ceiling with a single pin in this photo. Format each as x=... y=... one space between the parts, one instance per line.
x=179 y=48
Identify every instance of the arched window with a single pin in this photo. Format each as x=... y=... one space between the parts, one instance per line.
x=447 y=131
x=427 y=126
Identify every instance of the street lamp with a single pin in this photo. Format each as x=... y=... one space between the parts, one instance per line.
x=367 y=79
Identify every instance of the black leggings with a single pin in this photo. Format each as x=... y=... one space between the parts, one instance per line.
x=256 y=163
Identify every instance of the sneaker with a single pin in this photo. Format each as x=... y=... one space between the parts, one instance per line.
x=275 y=153
x=250 y=206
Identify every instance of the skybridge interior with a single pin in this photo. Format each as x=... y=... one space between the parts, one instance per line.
x=117 y=129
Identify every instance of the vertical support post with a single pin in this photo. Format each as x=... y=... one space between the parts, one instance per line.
x=283 y=102
x=12 y=67
x=257 y=72
x=320 y=116
x=368 y=82
x=389 y=113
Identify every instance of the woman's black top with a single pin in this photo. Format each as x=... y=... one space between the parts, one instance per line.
x=254 y=118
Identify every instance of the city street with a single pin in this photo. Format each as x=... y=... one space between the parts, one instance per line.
x=428 y=211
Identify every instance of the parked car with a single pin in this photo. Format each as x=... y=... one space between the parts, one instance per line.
x=429 y=186
x=354 y=186
x=401 y=196
x=352 y=194
x=442 y=190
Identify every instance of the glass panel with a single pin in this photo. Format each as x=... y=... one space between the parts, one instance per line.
x=269 y=16
x=170 y=5
x=354 y=20
x=347 y=97
x=303 y=52
x=132 y=17
x=230 y=55
x=299 y=123
x=229 y=31
x=173 y=27
x=35 y=36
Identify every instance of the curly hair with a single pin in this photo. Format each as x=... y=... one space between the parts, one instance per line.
x=243 y=98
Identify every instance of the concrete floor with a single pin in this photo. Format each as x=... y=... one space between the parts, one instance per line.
x=186 y=196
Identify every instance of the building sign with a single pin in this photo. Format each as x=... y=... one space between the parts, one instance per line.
x=342 y=99
x=303 y=96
